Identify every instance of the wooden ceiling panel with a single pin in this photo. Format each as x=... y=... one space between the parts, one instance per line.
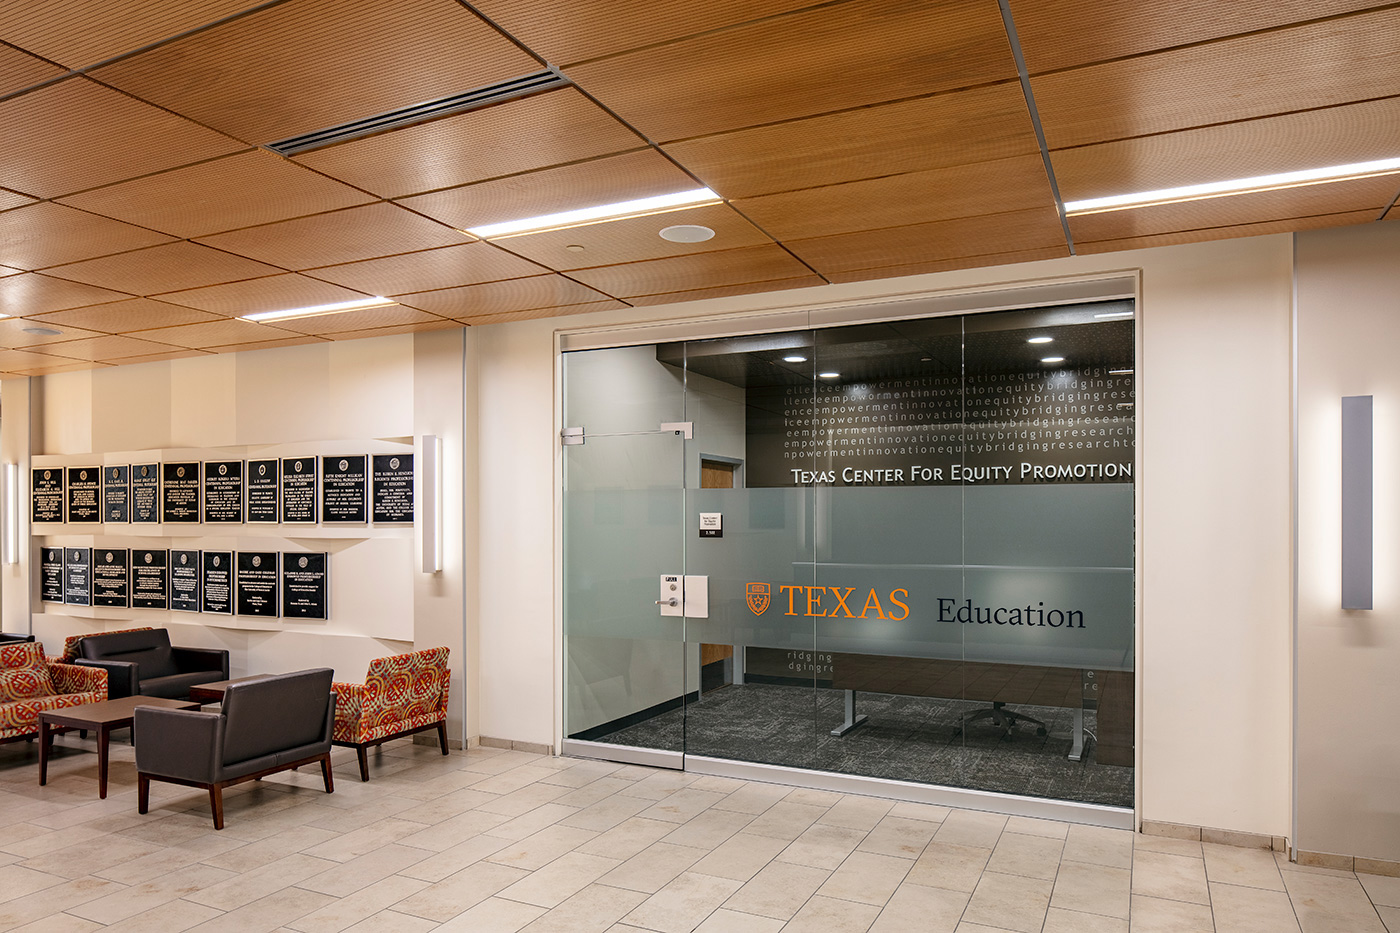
x=49 y=234
x=948 y=265
x=269 y=344
x=635 y=239
x=1053 y=33
x=918 y=197
x=106 y=347
x=1372 y=194
x=307 y=65
x=826 y=58
x=728 y=291
x=76 y=134
x=215 y=196
x=641 y=174
x=537 y=293
x=468 y=264
x=1333 y=62
x=701 y=270
x=516 y=136
x=32 y=293
x=1313 y=139
x=9 y=199
x=390 y=316
x=212 y=334
x=20 y=362
x=506 y=317
x=1222 y=233
x=19 y=69
x=1037 y=229
x=167 y=268
x=120 y=317
x=81 y=34
x=435 y=324
x=342 y=236
x=13 y=333
x=160 y=357
x=59 y=366
x=6 y=270
x=270 y=294
x=977 y=125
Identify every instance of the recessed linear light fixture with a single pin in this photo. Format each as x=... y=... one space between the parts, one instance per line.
x=620 y=210
x=1041 y=340
x=1052 y=359
x=262 y=317
x=794 y=359
x=1220 y=189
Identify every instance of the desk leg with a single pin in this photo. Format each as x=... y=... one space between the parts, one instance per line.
x=104 y=736
x=852 y=720
x=45 y=737
x=1077 y=751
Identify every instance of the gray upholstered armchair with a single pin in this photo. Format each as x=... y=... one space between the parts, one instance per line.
x=268 y=724
x=141 y=662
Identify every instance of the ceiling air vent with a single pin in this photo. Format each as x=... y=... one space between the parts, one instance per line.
x=536 y=83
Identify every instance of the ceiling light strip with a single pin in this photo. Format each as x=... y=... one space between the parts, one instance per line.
x=287 y=314
x=639 y=207
x=1220 y=189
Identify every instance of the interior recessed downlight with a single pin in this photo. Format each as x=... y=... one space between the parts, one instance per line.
x=1052 y=359
x=687 y=233
x=317 y=310
x=618 y=210
x=794 y=359
x=829 y=375
x=1040 y=340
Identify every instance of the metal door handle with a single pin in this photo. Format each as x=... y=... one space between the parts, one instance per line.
x=668 y=602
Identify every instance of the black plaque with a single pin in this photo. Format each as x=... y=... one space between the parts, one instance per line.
x=85 y=494
x=77 y=576
x=299 y=490
x=111 y=585
x=48 y=495
x=145 y=492
x=262 y=491
x=51 y=574
x=304 y=586
x=150 y=579
x=344 y=490
x=116 y=494
x=392 y=489
x=223 y=491
x=184 y=581
x=179 y=492
x=257 y=583
x=216 y=581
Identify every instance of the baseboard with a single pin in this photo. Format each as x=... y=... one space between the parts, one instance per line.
x=1366 y=866
x=534 y=748
x=430 y=738
x=1222 y=837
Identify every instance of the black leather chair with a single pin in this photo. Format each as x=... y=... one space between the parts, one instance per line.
x=11 y=639
x=265 y=725
x=143 y=663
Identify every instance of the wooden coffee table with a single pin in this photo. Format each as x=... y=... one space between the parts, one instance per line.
x=214 y=692
x=102 y=718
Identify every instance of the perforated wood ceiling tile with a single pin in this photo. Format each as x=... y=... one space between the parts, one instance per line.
x=830 y=57
x=516 y=136
x=960 y=127
x=1053 y=33
x=390 y=316
x=635 y=239
x=306 y=65
x=47 y=234
x=9 y=199
x=1313 y=139
x=299 y=341
x=728 y=291
x=219 y=195
x=12 y=333
x=506 y=317
x=343 y=236
x=701 y=270
x=6 y=270
x=1223 y=233
x=61 y=367
x=947 y=265
x=106 y=347
x=540 y=292
x=933 y=242
x=18 y=362
x=160 y=357
x=19 y=69
x=641 y=174
x=919 y=197
x=212 y=334
x=76 y=134
x=120 y=317
x=32 y=293
x=1334 y=62
x=166 y=268
x=435 y=324
x=467 y=264
x=270 y=294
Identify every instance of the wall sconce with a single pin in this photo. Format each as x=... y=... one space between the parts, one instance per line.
x=1357 y=512
x=11 y=532
x=430 y=502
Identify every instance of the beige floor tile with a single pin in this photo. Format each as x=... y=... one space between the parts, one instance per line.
x=957 y=868
x=59 y=923
x=683 y=805
x=69 y=895
x=172 y=917
x=261 y=882
x=722 y=784
x=740 y=857
x=467 y=888
x=855 y=812
x=779 y=890
x=660 y=784
x=1285 y=865
x=708 y=829
x=1093 y=889
x=753 y=798
x=1099 y=846
x=822 y=846
x=1009 y=902
x=920 y=811
x=436 y=867
x=1033 y=827
x=137 y=899
x=831 y=915
x=629 y=837
x=345 y=912
x=1251 y=868
x=785 y=820
x=434 y=811
x=1383 y=891
x=1174 y=877
x=390 y=921
x=731 y=921
x=653 y=868
x=1032 y=856
x=493 y=915
x=683 y=904
x=354 y=844
x=507 y=781
x=1142 y=842
x=543 y=847
x=1157 y=915
x=1332 y=905
x=918 y=909
x=866 y=878
x=606 y=813
x=899 y=836
x=980 y=928
x=523 y=800
x=269 y=849
x=560 y=879
x=85 y=858
x=1072 y=921
x=1251 y=910
x=362 y=871
x=971 y=828
x=267 y=913
x=1390 y=916
x=813 y=797
x=589 y=794
x=592 y=910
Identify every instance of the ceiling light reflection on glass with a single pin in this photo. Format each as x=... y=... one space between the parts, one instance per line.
x=829 y=375
x=620 y=210
x=1114 y=314
x=1052 y=359
x=1040 y=340
x=794 y=359
x=317 y=310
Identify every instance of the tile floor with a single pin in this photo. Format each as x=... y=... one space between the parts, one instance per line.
x=493 y=841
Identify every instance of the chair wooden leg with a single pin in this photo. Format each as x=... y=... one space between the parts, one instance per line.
x=442 y=735
x=364 y=762
x=143 y=793
x=216 y=803
x=326 y=773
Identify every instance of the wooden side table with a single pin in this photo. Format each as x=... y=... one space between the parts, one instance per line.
x=214 y=692
x=101 y=718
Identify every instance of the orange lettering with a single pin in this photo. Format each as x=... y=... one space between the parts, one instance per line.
x=879 y=611
x=814 y=601
x=900 y=605
x=789 y=590
x=841 y=601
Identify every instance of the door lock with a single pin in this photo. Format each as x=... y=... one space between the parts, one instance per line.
x=668 y=602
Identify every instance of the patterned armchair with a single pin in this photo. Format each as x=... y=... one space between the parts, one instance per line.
x=29 y=684
x=401 y=695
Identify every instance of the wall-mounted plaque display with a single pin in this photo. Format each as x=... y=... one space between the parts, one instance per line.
x=304 y=586
x=392 y=488
x=150 y=579
x=216 y=581
x=184 y=581
x=51 y=574
x=299 y=490
x=145 y=492
x=179 y=492
x=116 y=494
x=257 y=583
x=223 y=491
x=77 y=576
x=110 y=581
x=48 y=495
x=85 y=494
x=344 y=490
x=262 y=491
